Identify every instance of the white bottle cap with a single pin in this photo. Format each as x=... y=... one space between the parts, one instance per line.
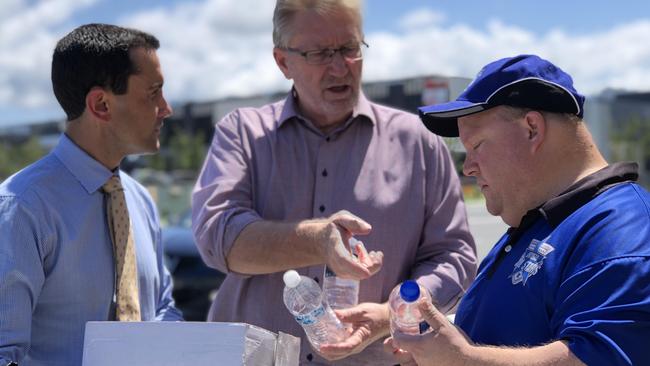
x=291 y=278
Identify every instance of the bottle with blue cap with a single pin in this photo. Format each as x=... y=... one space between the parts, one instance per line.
x=404 y=313
x=304 y=300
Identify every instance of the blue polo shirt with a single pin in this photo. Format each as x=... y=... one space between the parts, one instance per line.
x=576 y=269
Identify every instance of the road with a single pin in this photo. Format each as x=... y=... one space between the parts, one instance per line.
x=487 y=229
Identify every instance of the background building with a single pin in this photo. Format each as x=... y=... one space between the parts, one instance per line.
x=620 y=123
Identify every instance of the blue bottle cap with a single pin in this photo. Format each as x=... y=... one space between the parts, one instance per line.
x=409 y=291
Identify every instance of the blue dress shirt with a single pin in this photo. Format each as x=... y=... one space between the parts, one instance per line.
x=56 y=257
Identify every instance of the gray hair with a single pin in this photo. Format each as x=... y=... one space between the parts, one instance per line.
x=285 y=10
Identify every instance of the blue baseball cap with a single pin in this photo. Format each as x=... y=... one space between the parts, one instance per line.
x=525 y=81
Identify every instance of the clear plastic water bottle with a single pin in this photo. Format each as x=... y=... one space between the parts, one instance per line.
x=304 y=300
x=341 y=293
x=404 y=312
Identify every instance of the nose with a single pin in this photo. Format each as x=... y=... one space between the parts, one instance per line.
x=165 y=110
x=469 y=165
x=339 y=65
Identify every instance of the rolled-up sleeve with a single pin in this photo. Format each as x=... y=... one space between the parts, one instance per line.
x=21 y=277
x=222 y=198
x=446 y=261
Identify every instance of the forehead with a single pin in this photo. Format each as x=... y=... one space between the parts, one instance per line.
x=146 y=63
x=313 y=29
x=478 y=123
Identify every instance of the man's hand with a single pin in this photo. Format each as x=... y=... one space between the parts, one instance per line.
x=369 y=322
x=445 y=345
x=269 y=247
x=400 y=357
x=339 y=229
x=373 y=260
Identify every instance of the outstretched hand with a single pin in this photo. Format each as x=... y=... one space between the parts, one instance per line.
x=368 y=321
x=445 y=345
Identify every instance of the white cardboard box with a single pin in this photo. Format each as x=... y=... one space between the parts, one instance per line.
x=186 y=343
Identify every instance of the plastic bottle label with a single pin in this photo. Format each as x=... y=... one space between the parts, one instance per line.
x=312 y=317
x=424 y=327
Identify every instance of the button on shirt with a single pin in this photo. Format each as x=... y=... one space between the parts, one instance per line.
x=269 y=163
x=56 y=259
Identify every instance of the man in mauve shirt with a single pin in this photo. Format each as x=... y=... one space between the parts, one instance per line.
x=286 y=185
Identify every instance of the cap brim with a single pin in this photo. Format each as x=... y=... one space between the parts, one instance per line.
x=442 y=119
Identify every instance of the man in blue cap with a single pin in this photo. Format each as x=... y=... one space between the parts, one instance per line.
x=567 y=284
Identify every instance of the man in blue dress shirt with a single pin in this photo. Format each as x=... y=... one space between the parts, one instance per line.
x=56 y=255
x=568 y=283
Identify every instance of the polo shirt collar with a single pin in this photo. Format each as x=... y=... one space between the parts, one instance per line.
x=559 y=208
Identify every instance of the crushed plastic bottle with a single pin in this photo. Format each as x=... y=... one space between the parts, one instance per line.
x=341 y=293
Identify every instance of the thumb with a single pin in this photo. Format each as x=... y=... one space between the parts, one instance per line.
x=431 y=315
x=353 y=224
x=347 y=315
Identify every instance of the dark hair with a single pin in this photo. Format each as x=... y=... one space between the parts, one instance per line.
x=94 y=55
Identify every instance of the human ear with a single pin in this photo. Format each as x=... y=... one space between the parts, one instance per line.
x=97 y=103
x=281 y=60
x=536 y=126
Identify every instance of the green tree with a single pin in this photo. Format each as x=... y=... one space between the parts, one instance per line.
x=631 y=141
x=187 y=150
x=181 y=151
x=14 y=157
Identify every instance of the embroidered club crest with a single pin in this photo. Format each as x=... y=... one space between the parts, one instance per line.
x=530 y=262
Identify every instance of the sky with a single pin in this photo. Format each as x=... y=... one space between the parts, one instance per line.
x=213 y=49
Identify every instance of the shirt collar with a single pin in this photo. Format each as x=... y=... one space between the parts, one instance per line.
x=90 y=173
x=559 y=208
x=290 y=109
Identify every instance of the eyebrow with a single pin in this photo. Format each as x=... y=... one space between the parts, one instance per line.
x=330 y=47
x=156 y=85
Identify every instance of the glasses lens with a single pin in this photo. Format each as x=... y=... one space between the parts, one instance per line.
x=351 y=51
x=319 y=57
x=324 y=56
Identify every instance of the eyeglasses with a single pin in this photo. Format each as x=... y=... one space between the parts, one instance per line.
x=351 y=53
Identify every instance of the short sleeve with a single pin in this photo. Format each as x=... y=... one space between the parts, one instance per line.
x=604 y=312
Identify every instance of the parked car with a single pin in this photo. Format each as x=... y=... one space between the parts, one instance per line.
x=195 y=284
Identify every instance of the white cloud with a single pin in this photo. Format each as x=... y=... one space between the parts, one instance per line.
x=617 y=58
x=224 y=49
x=27 y=39
x=26 y=21
x=218 y=48
x=9 y=8
x=423 y=17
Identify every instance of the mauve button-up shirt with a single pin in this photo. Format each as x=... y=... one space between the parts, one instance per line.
x=382 y=165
